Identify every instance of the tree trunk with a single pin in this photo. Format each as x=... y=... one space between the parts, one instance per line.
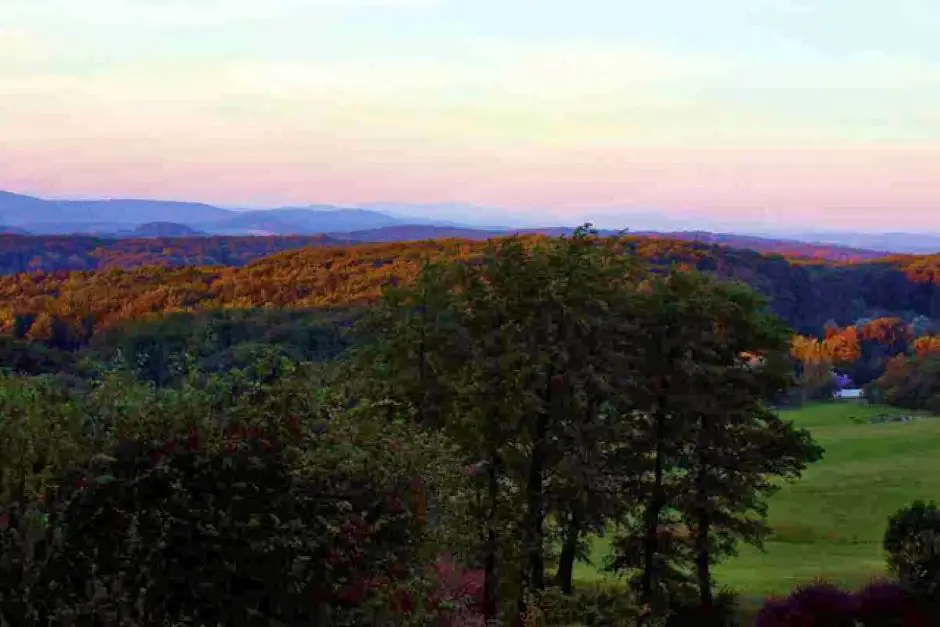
x=653 y=511
x=491 y=613
x=703 y=522
x=564 y=576
x=703 y=563
x=534 y=576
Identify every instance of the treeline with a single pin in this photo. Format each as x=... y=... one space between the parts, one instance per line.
x=162 y=349
x=67 y=308
x=50 y=253
x=53 y=253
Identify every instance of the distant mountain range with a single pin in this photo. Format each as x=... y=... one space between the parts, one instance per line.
x=911 y=243
x=27 y=215
x=120 y=218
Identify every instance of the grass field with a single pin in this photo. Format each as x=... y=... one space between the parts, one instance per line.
x=830 y=523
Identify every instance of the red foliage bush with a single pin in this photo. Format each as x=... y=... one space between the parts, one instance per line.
x=461 y=590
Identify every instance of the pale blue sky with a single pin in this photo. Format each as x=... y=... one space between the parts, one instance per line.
x=786 y=108
x=771 y=30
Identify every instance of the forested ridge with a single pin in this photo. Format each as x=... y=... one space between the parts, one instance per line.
x=139 y=278
x=50 y=253
x=25 y=252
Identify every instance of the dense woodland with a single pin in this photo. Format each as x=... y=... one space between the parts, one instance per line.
x=51 y=253
x=129 y=279
x=144 y=290
x=430 y=433
x=852 y=318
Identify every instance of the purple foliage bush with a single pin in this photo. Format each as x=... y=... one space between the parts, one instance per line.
x=880 y=604
x=890 y=604
x=816 y=605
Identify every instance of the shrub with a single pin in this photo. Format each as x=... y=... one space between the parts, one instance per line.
x=598 y=606
x=174 y=535
x=912 y=542
x=816 y=605
x=258 y=531
x=690 y=614
x=890 y=604
x=880 y=604
x=457 y=598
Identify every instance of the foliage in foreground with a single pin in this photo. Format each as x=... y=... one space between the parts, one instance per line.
x=226 y=513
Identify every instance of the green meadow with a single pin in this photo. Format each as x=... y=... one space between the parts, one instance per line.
x=829 y=524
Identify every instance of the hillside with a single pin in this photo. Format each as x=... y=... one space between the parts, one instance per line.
x=787 y=247
x=174 y=244
x=327 y=276
x=53 y=253
x=164 y=229
x=297 y=221
x=831 y=523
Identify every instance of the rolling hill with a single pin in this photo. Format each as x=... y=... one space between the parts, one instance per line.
x=786 y=247
x=85 y=216
x=123 y=280
x=163 y=229
x=139 y=218
x=120 y=217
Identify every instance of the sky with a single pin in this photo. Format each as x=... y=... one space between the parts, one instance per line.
x=783 y=113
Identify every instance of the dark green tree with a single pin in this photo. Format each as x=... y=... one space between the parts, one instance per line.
x=736 y=449
x=912 y=543
x=516 y=355
x=714 y=359
x=664 y=358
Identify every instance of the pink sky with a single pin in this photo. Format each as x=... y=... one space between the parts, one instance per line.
x=864 y=187
x=775 y=118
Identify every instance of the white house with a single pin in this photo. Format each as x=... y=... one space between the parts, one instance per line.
x=849 y=394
